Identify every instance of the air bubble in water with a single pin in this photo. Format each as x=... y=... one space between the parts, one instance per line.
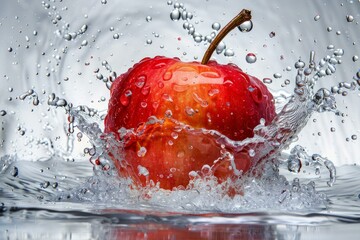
x=317 y=17
x=246 y=26
x=250 y=58
x=216 y=26
x=175 y=15
x=10 y=49
x=355 y=58
x=272 y=34
x=2 y=113
x=354 y=137
x=103 y=1
x=116 y=36
x=149 y=41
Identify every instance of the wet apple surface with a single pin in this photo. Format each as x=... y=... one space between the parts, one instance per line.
x=172 y=94
x=164 y=110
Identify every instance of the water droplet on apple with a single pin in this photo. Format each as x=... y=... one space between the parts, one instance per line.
x=140 y=81
x=180 y=154
x=175 y=15
x=206 y=170
x=167 y=76
x=168 y=113
x=199 y=100
x=143 y=104
x=216 y=26
x=142 y=152
x=210 y=74
x=213 y=92
x=161 y=84
x=251 y=152
x=250 y=58
x=159 y=65
x=125 y=98
x=228 y=82
x=174 y=135
x=189 y=111
x=180 y=88
x=143 y=171
x=167 y=97
x=246 y=26
x=145 y=90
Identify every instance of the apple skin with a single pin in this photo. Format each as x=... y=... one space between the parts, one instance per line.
x=212 y=96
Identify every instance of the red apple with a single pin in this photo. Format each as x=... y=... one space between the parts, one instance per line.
x=213 y=97
x=170 y=105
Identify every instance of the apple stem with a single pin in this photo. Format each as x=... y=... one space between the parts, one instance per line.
x=243 y=16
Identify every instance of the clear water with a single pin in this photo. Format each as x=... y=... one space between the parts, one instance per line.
x=49 y=188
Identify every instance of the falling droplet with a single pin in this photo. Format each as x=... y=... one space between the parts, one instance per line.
x=14 y=172
x=250 y=58
x=216 y=26
x=349 y=18
x=267 y=80
x=175 y=15
x=229 y=53
x=299 y=64
x=277 y=75
x=220 y=47
x=246 y=26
